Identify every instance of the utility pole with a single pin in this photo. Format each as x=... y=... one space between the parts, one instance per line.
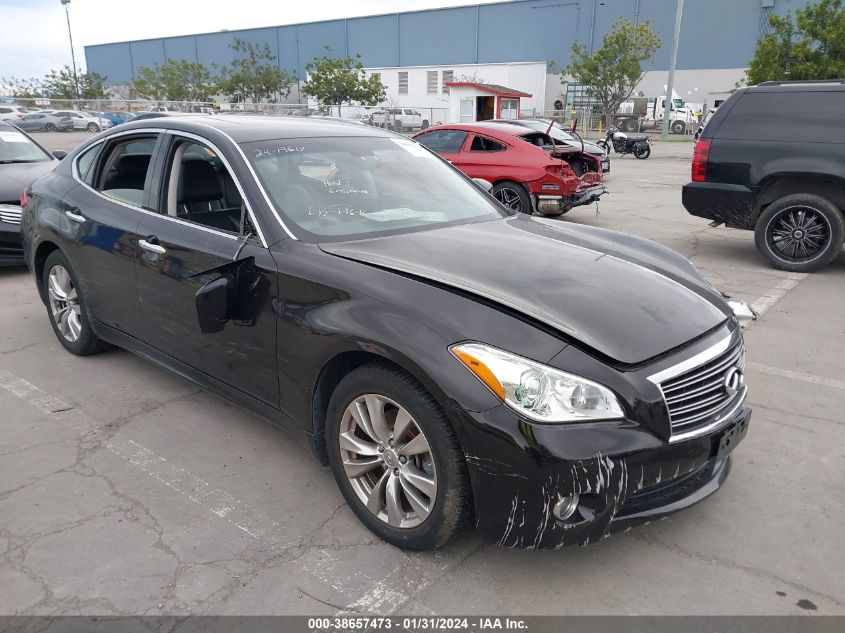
x=65 y=4
x=667 y=103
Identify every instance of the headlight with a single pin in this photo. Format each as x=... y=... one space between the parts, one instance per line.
x=536 y=391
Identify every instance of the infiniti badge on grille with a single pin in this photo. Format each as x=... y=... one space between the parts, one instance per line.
x=733 y=380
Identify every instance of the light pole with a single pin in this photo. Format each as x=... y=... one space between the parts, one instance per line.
x=65 y=4
x=667 y=101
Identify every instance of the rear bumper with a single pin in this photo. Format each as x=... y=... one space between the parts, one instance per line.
x=731 y=204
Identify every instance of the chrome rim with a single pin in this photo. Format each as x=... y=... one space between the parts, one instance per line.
x=508 y=197
x=388 y=461
x=799 y=233
x=64 y=303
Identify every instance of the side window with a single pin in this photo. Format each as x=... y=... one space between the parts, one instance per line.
x=448 y=141
x=482 y=144
x=198 y=188
x=123 y=169
x=85 y=160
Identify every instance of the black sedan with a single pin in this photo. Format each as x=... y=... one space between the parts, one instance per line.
x=455 y=363
x=22 y=160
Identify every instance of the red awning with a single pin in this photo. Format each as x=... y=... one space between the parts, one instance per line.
x=493 y=89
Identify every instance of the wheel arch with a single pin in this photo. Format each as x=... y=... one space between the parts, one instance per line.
x=341 y=364
x=42 y=252
x=777 y=186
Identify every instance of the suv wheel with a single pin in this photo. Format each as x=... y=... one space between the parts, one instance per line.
x=396 y=458
x=801 y=232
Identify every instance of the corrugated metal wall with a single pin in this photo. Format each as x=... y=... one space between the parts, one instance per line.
x=715 y=34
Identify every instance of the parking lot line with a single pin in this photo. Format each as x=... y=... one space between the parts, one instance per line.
x=764 y=303
x=217 y=501
x=797 y=375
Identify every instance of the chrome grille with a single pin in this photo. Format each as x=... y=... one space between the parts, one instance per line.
x=696 y=392
x=10 y=213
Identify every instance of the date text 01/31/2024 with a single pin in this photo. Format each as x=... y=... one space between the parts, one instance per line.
x=423 y=623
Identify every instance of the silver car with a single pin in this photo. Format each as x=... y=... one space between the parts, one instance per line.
x=85 y=120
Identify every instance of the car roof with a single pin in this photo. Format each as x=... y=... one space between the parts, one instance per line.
x=499 y=131
x=245 y=128
x=829 y=85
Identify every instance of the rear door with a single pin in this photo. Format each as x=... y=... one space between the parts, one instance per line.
x=482 y=157
x=200 y=227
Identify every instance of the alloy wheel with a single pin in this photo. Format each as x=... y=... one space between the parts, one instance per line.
x=799 y=233
x=508 y=197
x=388 y=461
x=64 y=303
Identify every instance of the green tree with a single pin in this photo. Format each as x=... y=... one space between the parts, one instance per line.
x=31 y=88
x=339 y=80
x=255 y=75
x=807 y=45
x=61 y=84
x=177 y=80
x=612 y=71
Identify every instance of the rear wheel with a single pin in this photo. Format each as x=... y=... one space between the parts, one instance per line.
x=801 y=232
x=678 y=127
x=93 y=127
x=49 y=128
x=513 y=196
x=630 y=126
x=66 y=307
x=396 y=458
x=642 y=151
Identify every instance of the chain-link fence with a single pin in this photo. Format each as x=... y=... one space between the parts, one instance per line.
x=591 y=122
x=63 y=115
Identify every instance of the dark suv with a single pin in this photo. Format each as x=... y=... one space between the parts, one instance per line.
x=772 y=159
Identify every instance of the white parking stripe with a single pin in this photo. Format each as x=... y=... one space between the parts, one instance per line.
x=764 y=303
x=201 y=492
x=796 y=375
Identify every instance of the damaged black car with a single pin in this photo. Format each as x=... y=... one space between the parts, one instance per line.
x=454 y=363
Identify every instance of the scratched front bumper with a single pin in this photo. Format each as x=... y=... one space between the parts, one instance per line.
x=518 y=473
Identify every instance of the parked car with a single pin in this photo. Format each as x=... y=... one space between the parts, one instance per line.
x=704 y=121
x=44 y=122
x=22 y=160
x=117 y=117
x=140 y=116
x=771 y=160
x=12 y=112
x=85 y=120
x=347 y=284
x=560 y=135
x=400 y=119
x=528 y=171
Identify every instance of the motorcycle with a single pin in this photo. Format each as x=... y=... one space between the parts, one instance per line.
x=639 y=146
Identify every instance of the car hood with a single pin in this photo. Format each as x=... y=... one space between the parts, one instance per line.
x=15 y=177
x=626 y=298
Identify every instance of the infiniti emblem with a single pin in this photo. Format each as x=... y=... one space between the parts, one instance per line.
x=734 y=380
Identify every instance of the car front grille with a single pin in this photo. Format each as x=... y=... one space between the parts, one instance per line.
x=10 y=213
x=701 y=391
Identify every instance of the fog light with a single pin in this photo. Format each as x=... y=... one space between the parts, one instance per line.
x=565 y=507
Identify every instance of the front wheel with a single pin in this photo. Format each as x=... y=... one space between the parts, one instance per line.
x=396 y=458
x=604 y=145
x=66 y=307
x=801 y=232
x=49 y=128
x=642 y=151
x=93 y=127
x=678 y=127
x=513 y=196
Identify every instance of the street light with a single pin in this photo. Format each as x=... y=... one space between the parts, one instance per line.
x=65 y=4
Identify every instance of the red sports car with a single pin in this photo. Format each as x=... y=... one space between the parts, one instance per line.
x=527 y=170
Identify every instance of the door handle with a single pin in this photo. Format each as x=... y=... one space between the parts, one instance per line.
x=149 y=245
x=80 y=219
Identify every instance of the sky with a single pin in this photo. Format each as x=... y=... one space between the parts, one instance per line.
x=35 y=37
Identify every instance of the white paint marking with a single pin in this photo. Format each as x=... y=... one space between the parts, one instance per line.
x=797 y=375
x=764 y=303
x=201 y=492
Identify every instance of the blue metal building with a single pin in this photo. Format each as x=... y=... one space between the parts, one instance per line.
x=716 y=34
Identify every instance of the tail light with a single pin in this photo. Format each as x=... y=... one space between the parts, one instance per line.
x=699 y=159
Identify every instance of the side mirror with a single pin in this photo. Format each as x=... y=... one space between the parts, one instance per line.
x=212 y=302
x=484 y=184
x=59 y=154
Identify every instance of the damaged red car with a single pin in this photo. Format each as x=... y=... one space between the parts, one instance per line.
x=529 y=173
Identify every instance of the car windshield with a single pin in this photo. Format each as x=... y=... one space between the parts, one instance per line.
x=16 y=147
x=335 y=189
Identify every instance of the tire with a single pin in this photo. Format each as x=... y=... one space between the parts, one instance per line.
x=93 y=127
x=630 y=125
x=813 y=219
x=446 y=504
x=74 y=332
x=678 y=127
x=642 y=151
x=49 y=128
x=604 y=145
x=513 y=196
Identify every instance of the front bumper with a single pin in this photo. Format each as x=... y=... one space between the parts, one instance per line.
x=11 y=249
x=623 y=475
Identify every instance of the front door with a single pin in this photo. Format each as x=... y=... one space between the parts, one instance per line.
x=198 y=233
